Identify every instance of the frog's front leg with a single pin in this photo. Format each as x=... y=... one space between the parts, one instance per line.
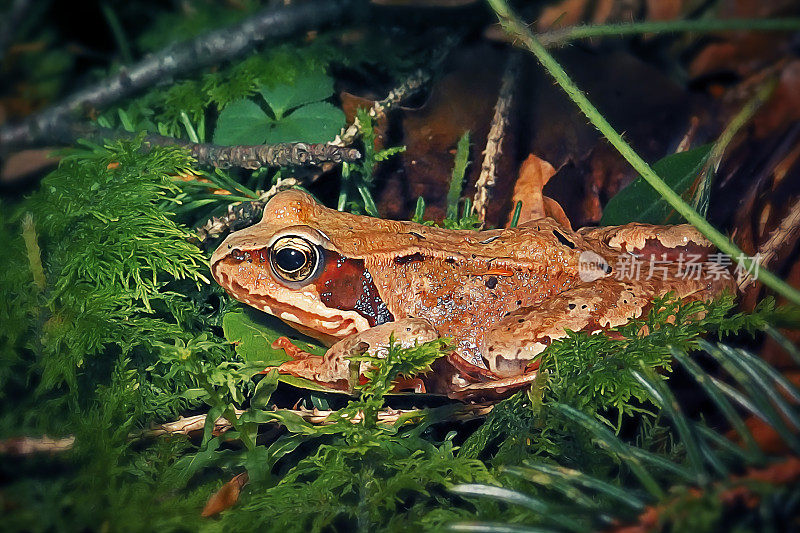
x=333 y=368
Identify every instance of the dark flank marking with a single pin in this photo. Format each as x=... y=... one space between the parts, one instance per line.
x=490 y=239
x=450 y=260
x=491 y=282
x=346 y=284
x=563 y=240
x=417 y=235
x=403 y=259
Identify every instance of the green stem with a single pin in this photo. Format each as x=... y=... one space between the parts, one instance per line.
x=559 y=37
x=520 y=31
x=741 y=118
x=34 y=253
x=119 y=34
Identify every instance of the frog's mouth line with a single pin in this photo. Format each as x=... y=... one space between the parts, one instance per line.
x=328 y=327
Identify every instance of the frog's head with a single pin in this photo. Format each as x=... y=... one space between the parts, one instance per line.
x=287 y=266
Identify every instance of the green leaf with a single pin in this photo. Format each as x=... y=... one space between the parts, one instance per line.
x=312 y=87
x=304 y=383
x=264 y=390
x=253 y=332
x=258 y=464
x=211 y=417
x=253 y=337
x=313 y=123
x=242 y=122
x=639 y=202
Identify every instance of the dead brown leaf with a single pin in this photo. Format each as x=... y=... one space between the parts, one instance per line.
x=533 y=176
x=226 y=497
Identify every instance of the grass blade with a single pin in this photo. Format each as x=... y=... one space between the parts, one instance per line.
x=666 y=400
x=785 y=343
x=585 y=480
x=494 y=527
x=718 y=397
x=762 y=379
x=556 y=483
x=611 y=442
x=513 y=497
x=756 y=395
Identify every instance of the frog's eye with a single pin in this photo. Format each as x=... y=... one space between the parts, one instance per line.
x=295 y=259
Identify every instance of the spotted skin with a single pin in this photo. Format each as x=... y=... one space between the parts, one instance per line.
x=501 y=295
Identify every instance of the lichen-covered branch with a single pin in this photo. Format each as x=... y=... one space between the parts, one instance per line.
x=272 y=155
x=239 y=215
x=209 y=49
x=410 y=86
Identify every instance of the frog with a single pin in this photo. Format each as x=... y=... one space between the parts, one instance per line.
x=499 y=297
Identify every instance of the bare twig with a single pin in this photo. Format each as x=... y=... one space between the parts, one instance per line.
x=212 y=48
x=243 y=156
x=32 y=445
x=240 y=215
x=193 y=424
x=494 y=140
x=780 y=237
x=272 y=155
x=184 y=426
x=410 y=86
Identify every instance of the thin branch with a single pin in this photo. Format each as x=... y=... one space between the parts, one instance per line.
x=519 y=30
x=213 y=48
x=779 y=238
x=243 y=156
x=192 y=424
x=739 y=120
x=239 y=215
x=410 y=86
x=22 y=446
x=494 y=140
x=563 y=36
x=272 y=155
x=315 y=416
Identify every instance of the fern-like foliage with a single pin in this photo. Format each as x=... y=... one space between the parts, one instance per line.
x=113 y=258
x=704 y=485
x=363 y=474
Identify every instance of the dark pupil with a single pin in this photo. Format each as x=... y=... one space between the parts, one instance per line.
x=290 y=259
